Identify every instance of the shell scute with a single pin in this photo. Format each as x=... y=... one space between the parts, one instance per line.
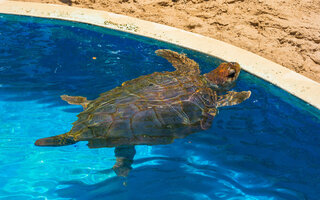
x=86 y=134
x=170 y=93
x=120 y=128
x=106 y=108
x=79 y=125
x=165 y=79
x=146 y=122
x=126 y=98
x=100 y=118
x=171 y=115
x=192 y=111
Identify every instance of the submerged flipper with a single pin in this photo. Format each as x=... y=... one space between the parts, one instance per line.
x=124 y=156
x=76 y=100
x=233 y=98
x=58 y=140
x=181 y=62
x=207 y=119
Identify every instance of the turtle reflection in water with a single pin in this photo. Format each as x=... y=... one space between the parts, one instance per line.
x=152 y=109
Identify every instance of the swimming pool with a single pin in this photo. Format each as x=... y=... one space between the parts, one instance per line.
x=265 y=148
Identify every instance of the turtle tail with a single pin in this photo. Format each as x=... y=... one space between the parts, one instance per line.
x=58 y=140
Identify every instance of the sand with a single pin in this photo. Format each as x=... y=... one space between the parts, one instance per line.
x=286 y=32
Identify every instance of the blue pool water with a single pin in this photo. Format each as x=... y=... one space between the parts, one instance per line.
x=265 y=148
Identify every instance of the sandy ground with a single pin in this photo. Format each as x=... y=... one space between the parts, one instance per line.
x=284 y=31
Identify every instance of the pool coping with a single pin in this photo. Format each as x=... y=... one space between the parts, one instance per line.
x=290 y=81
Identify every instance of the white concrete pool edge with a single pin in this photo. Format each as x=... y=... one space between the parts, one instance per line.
x=292 y=82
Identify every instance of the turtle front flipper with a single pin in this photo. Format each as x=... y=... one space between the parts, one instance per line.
x=181 y=62
x=233 y=98
x=76 y=100
x=124 y=156
x=58 y=140
x=207 y=119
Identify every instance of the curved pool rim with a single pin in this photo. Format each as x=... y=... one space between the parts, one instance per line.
x=290 y=81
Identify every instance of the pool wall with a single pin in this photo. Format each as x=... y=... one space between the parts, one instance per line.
x=294 y=83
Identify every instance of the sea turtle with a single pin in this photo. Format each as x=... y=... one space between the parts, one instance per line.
x=152 y=109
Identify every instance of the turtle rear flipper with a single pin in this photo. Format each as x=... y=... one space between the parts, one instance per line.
x=76 y=100
x=59 y=140
x=233 y=98
x=124 y=156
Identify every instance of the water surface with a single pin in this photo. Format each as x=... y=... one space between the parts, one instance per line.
x=265 y=148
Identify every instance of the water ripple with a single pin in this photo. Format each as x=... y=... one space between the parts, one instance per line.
x=264 y=148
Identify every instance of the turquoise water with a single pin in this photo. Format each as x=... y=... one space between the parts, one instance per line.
x=265 y=148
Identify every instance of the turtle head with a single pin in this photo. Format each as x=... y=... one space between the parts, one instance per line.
x=224 y=76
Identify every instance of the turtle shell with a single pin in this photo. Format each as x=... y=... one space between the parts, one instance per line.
x=152 y=109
